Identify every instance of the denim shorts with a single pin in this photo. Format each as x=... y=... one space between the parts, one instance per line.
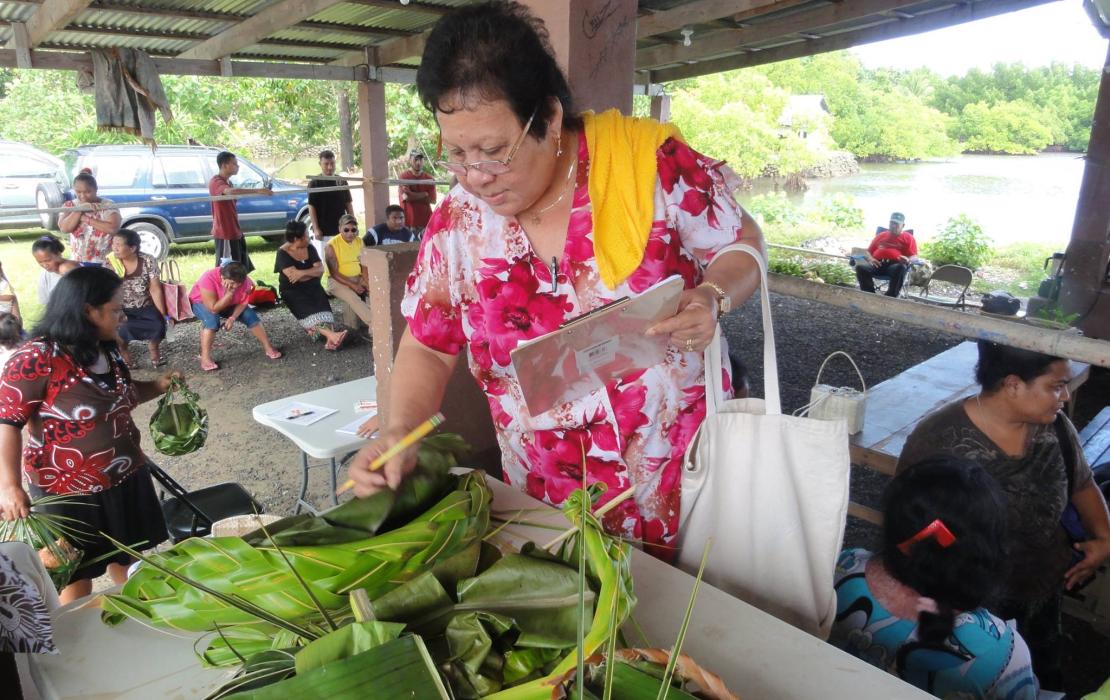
x=211 y=321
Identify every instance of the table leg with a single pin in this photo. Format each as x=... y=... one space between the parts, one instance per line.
x=304 y=485
x=334 y=486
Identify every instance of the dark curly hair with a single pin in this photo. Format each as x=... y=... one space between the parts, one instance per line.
x=996 y=362
x=964 y=575
x=295 y=230
x=496 y=51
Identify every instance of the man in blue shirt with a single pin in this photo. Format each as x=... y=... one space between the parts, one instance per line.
x=392 y=231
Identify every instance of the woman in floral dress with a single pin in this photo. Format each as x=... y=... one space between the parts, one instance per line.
x=512 y=253
x=90 y=228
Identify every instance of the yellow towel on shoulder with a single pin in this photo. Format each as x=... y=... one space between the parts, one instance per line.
x=623 y=173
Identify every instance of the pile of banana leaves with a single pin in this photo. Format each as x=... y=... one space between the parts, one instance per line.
x=398 y=595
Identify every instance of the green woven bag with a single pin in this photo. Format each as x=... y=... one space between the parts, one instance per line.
x=179 y=424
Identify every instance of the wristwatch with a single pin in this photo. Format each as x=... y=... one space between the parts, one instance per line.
x=724 y=301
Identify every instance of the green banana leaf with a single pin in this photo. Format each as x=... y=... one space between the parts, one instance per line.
x=400 y=668
x=179 y=425
x=446 y=533
x=346 y=641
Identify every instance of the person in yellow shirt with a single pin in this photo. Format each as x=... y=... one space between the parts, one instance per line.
x=345 y=271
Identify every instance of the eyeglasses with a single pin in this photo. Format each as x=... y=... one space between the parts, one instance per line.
x=487 y=167
x=350 y=230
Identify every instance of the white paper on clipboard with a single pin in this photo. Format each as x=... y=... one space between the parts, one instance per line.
x=588 y=352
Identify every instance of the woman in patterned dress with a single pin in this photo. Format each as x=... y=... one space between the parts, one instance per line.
x=90 y=229
x=512 y=252
x=144 y=304
x=72 y=391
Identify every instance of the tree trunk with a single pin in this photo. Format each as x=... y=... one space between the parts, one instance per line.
x=346 y=137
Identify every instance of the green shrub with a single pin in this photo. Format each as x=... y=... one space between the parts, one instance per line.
x=840 y=210
x=774 y=208
x=835 y=273
x=786 y=266
x=962 y=242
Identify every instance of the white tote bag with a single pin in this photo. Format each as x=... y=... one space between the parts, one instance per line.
x=772 y=491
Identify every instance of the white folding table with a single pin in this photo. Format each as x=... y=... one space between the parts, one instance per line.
x=320 y=439
x=758 y=656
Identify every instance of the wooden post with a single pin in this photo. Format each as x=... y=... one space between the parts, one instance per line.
x=1084 y=289
x=974 y=326
x=375 y=149
x=661 y=108
x=346 y=136
x=464 y=405
x=595 y=44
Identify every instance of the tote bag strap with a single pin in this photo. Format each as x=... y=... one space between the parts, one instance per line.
x=714 y=394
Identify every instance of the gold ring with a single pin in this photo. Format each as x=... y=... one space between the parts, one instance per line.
x=689 y=345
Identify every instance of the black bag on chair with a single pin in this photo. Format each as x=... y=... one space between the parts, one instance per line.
x=191 y=513
x=1001 y=303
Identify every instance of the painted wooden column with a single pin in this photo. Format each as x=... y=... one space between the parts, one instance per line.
x=1085 y=289
x=595 y=43
x=661 y=108
x=375 y=149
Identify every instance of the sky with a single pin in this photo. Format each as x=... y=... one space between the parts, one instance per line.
x=1057 y=31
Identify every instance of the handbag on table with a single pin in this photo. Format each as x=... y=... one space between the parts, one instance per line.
x=770 y=489
x=837 y=402
x=176 y=294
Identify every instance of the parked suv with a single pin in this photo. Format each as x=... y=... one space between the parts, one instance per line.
x=135 y=174
x=29 y=179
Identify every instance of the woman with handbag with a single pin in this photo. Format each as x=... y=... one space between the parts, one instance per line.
x=1014 y=429
x=72 y=391
x=555 y=214
x=144 y=304
x=299 y=270
x=916 y=607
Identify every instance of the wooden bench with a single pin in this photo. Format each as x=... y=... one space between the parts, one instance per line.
x=895 y=407
x=1093 y=602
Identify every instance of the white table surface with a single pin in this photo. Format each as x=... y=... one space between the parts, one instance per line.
x=758 y=656
x=320 y=440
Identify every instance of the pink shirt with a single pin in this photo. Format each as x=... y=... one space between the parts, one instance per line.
x=212 y=282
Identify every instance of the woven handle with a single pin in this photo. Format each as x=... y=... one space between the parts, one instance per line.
x=854 y=366
x=169 y=271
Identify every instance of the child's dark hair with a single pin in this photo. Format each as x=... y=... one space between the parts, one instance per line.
x=235 y=271
x=48 y=242
x=966 y=574
x=11 y=331
x=996 y=362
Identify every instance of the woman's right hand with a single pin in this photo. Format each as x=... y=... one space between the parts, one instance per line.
x=369 y=482
x=14 y=503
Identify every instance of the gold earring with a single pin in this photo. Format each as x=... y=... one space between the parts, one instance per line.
x=559 y=144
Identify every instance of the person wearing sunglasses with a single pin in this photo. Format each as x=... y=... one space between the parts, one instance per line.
x=555 y=214
x=341 y=255
x=916 y=607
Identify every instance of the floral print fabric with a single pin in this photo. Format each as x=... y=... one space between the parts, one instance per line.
x=85 y=242
x=478 y=285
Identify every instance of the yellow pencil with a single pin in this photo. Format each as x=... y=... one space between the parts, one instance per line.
x=400 y=446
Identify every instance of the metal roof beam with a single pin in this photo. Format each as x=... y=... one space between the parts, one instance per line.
x=274 y=18
x=698 y=12
x=49 y=17
x=802 y=24
x=889 y=29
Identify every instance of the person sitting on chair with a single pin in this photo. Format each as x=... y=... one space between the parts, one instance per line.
x=888 y=255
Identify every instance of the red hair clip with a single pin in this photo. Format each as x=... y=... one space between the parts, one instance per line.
x=936 y=530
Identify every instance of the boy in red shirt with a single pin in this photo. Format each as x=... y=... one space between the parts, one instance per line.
x=888 y=255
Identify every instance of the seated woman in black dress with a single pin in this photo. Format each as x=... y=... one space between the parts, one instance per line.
x=299 y=270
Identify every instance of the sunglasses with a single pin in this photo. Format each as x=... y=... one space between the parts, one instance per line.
x=350 y=230
x=488 y=167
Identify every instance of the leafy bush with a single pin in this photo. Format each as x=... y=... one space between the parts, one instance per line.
x=840 y=210
x=835 y=273
x=786 y=266
x=962 y=242
x=774 y=208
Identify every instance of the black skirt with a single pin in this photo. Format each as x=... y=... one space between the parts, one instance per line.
x=129 y=512
x=144 y=323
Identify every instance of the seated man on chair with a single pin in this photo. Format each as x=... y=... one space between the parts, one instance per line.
x=888 y=255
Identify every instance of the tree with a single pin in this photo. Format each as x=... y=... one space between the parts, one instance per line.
x=1006 y=127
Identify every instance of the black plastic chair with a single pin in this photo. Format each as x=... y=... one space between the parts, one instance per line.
x=191 y=513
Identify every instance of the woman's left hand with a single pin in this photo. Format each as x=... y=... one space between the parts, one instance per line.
x=163 y=382
x=1095 y=551
x=692 y=328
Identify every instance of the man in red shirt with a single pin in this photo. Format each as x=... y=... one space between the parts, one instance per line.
x=225 y=218
x=417 y=199
x=888 y=255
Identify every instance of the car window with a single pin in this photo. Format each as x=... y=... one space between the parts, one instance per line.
x=114 y=171
x=248 y=177
x=12 y=165
x=178 y=172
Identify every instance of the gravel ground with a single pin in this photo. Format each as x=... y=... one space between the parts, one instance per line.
x=238 y=449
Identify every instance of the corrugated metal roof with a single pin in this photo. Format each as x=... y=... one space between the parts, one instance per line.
x=346 y=13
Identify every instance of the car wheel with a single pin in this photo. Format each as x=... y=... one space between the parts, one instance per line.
x=48 y=196
x=153 y=240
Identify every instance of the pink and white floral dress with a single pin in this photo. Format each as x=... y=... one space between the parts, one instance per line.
x=477 y=284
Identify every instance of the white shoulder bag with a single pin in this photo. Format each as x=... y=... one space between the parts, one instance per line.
x=771 y=489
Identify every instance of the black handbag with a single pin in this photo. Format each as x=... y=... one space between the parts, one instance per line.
x=1001 y=303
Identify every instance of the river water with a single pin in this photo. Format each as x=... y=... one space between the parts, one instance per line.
x=1014 y=198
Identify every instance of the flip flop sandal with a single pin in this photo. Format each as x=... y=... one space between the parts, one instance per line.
x=274 y=354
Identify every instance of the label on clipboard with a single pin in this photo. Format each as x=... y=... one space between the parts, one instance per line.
x=589 y=351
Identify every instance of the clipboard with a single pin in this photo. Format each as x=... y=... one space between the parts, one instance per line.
x=591 y=350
